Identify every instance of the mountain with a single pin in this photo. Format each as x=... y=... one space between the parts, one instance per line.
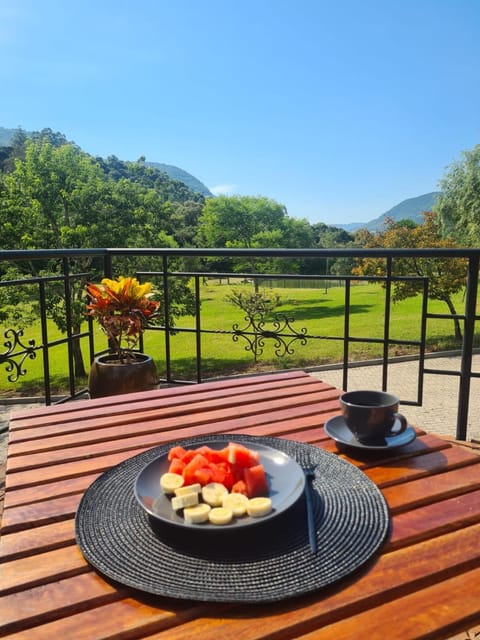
x=412 y=209
x=175 y=173
x=179 y=174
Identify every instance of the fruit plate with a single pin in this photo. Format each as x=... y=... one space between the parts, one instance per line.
x=285 y=478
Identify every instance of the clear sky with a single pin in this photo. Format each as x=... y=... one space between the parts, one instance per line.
x=338 y=109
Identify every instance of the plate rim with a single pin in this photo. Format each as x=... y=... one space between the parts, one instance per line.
x=238 y=524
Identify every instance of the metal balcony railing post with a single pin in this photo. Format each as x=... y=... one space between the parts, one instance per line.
x=467 y=347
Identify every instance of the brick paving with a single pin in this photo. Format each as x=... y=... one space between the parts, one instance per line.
x=438 y=414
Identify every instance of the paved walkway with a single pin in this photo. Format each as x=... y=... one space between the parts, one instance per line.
x=438 y=414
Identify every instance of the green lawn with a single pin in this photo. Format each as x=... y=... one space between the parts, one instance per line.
x=320 y=311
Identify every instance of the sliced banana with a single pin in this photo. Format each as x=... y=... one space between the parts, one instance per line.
x=213 y=492
x=237 y=502
x=187 y=500
x=198 y=514
x=189 y=488
x=169 y=482
x=220 y=515
x=258 y=507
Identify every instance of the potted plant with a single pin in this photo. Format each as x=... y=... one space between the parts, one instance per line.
x=123 y=308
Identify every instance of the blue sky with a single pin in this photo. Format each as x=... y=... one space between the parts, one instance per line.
x=338 y=109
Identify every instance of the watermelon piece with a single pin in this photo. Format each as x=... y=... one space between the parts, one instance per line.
x=241 y=456
x=204 y=475
x=197 y=462
x=256 y=481
x=240 y=487
x=177 y=466
x=176 y=452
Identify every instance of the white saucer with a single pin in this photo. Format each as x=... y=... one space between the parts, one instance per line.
x=337 y=429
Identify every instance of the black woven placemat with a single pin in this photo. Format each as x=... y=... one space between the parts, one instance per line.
x=266 y=562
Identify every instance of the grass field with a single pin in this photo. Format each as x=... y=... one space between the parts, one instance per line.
x=318 y=310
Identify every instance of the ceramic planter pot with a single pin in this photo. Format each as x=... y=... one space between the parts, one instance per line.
x=109 y=377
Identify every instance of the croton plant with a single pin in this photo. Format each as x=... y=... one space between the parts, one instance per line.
x=123 y=308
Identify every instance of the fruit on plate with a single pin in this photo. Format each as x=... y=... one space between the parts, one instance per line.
x=171 y=481
x=185 y=500
x=236 y=467
x=237 y=502
x=220 y=515
x=216 y=485
x=197 y=514
x=213 y=492
x=258 y=507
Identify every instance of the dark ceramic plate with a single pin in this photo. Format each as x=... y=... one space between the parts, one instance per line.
x=337 y=429
x=285 y=477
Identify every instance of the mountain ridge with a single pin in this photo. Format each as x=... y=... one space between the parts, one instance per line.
x=411 y=208
x=172 y=171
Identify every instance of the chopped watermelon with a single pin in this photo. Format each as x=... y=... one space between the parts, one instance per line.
x=236 y=467
x=176 y=452
x=204 y=475
x=241 y=455
x=177 y=466
x=256 y=481
x=240 y=487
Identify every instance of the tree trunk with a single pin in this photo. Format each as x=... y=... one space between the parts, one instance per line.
x=78 y=364
x=456 y=321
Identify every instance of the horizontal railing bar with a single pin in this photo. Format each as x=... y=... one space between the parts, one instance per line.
x=213 y=275
x=26 y=254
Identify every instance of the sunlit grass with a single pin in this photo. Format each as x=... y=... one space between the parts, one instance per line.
x=319 y=311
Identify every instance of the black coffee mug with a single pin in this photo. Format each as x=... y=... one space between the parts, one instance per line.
x=372 y=415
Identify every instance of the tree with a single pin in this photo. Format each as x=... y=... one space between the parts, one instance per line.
x=445 y=276
x=59 y=197
x=458 y=205
x=251 y=222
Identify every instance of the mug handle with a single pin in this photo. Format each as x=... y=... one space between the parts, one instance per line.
x=403 y=424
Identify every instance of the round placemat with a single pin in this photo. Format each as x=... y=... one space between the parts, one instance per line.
x=267 y=562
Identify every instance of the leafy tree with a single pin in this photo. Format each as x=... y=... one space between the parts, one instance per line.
x=251 y=222
x=458 y=205
x=446 y=276
x=59 y=197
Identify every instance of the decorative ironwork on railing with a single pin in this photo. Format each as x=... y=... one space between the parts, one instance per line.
x=58 y=295
x=255 y=333
x=16 y=353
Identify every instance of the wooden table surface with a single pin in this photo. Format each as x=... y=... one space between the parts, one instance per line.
x=423 y=583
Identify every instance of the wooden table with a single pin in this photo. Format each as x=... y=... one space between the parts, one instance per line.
x=424 y=583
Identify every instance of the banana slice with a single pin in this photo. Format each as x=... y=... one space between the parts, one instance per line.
x=187 y=500
x=198 y=514
x=189 y=488
x=258 y=507
x=170 y=481
x=220 y=515
x=213 y=492
x=237 y=502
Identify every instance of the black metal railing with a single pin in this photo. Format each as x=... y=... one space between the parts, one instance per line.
x=55 y=280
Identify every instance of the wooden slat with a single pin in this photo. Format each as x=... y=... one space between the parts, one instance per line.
x=419 y=466
x=435 y=519
x=48 y=590
x=417 y=615
x=314 y=411
x=116 y=621
x=173 y=399
x=393 y=576
x=410 y=495
x=31 y=571
x=37 y=540
x=40 y=513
